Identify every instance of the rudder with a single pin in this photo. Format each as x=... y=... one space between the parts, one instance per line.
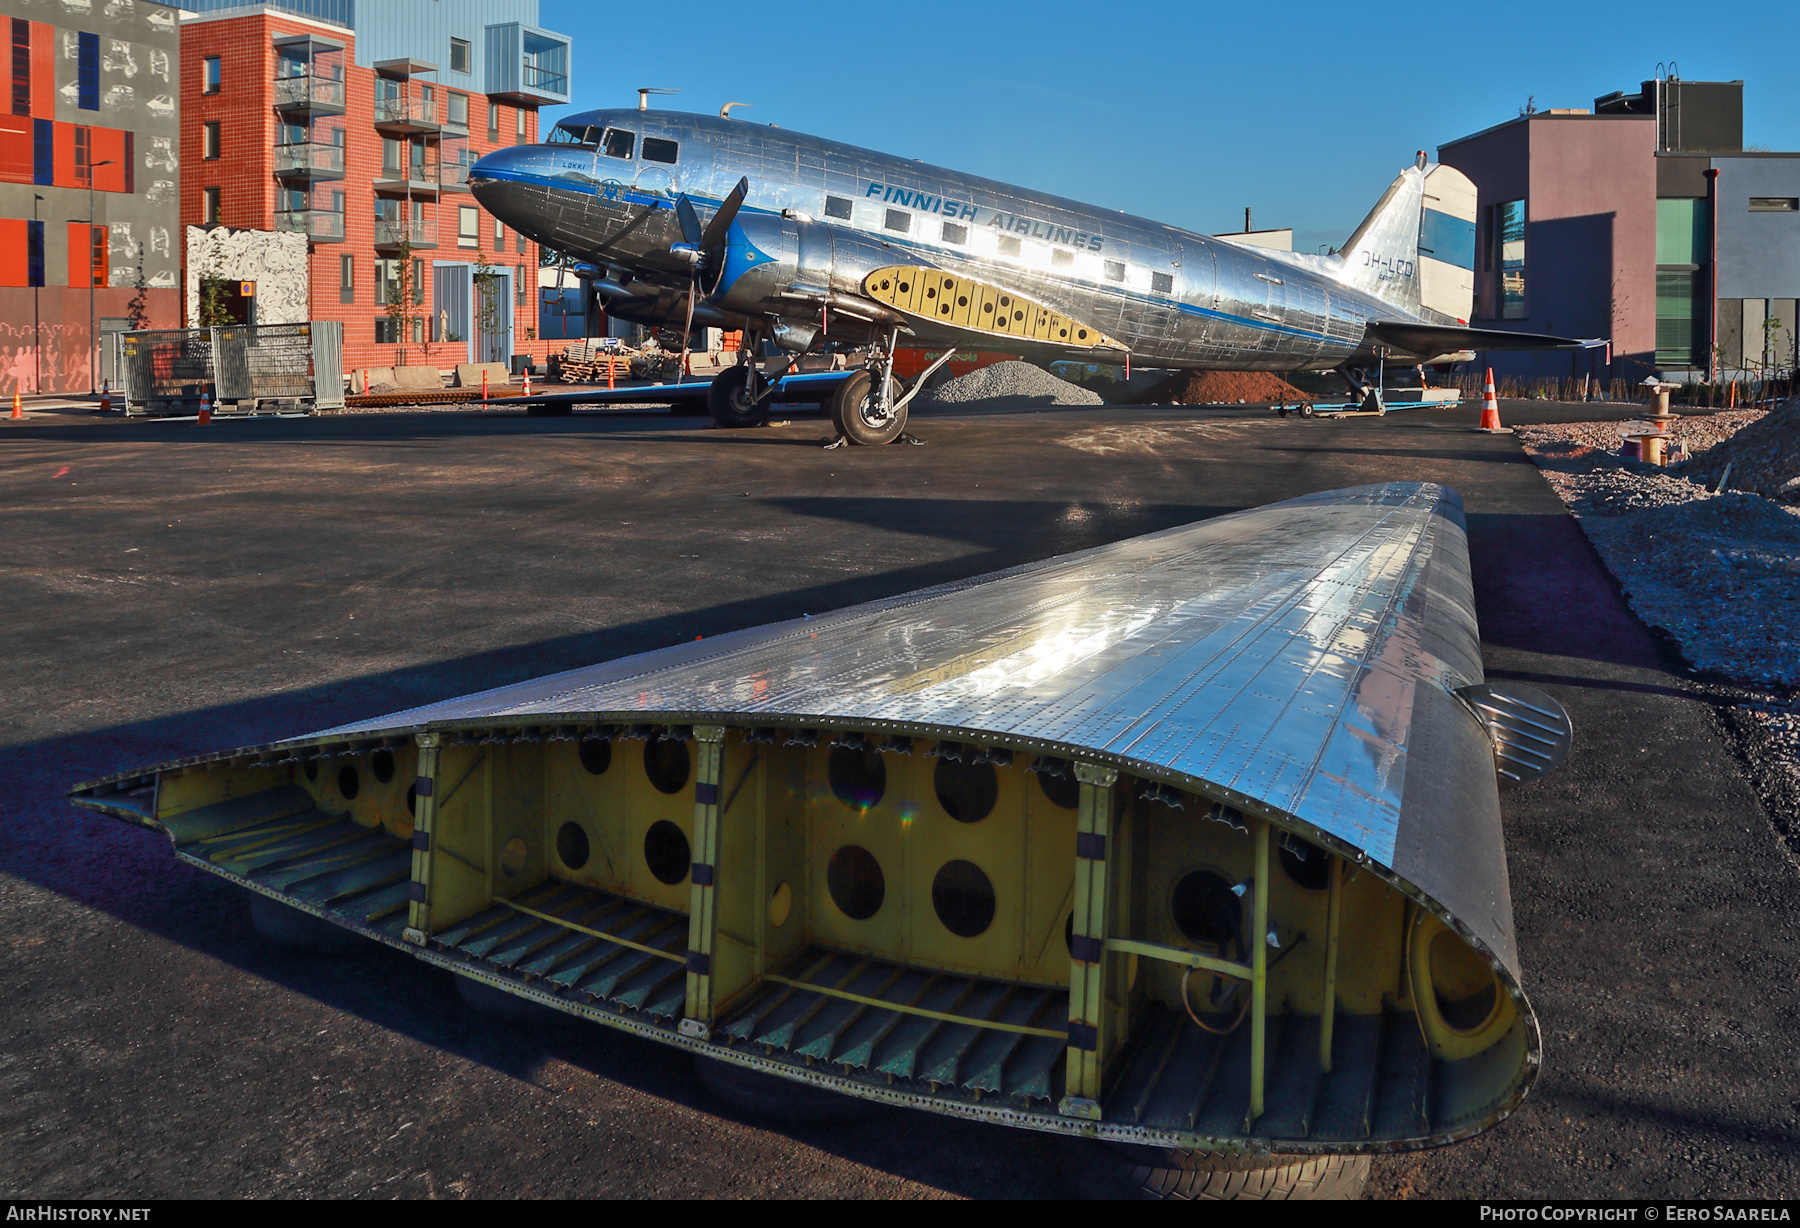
x=1416 y=249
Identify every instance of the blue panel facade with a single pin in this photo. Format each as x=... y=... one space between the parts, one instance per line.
x=1759 y=253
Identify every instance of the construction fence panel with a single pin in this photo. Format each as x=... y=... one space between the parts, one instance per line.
x=164 y=370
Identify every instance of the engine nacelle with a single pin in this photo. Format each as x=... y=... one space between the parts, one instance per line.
x=777 y=264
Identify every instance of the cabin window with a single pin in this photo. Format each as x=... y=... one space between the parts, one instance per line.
x=838 y=207
x=617 y=143
x=955 y=234
x=1160 y=283
x=560 y=135
x=899 y=219
x=1115 y=270
x=1061 y=259
x=1009 y=246
x=658 y=150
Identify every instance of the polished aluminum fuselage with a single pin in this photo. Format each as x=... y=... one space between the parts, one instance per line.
x=1173 y=297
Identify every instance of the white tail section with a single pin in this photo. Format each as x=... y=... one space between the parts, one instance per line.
x=1416 y=249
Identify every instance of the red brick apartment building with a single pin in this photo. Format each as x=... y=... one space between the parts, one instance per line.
x=89 y=229
x=283 y=131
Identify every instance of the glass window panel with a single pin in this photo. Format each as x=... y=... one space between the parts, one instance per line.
x=1509 y=226
x=658 y=150
x=1681 y=231
x=617 y=143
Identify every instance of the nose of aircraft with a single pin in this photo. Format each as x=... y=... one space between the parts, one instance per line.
x=497 y=179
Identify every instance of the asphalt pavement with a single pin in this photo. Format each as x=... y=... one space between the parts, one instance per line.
x=169 y=589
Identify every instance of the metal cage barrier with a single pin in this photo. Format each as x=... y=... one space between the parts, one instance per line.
x=243 y=367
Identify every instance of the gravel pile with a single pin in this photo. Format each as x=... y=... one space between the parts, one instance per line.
x=1764 y=456
x=1012 y=381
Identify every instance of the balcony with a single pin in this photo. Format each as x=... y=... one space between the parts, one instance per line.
x=406 y=116
x=527 y=66
x=309 y=160
x=306 y=96
x=412 y=234
x=455 y=177
x=421 y=178
x=317 y=225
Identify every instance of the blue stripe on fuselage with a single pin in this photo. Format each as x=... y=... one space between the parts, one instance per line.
x=631 y=196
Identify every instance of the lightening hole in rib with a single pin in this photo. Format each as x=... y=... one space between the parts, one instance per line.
x=855 y=881
x=1305 y=863
x=382 y=764
x=348 y=781
x=311 y=768
x=513 y=857
x=963 y=898
x=966 y=791
x=572 y=845
x=1062 y=790
x=412 y=799
x=1205 y=909
x=596 y=754
x=1462 y=983
x=666 y=852
x=666 y=763
x=858 y=776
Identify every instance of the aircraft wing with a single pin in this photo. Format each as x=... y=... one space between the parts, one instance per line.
x=810 y=388
x=1429 y=340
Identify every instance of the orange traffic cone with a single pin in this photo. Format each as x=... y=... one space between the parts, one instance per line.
x=205 y=415
x=1490 y=407
x=484 y=386
x=609 y=373
x=18 y=412
x=106 y=396
x=527 y=381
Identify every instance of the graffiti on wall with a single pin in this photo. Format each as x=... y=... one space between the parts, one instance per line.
x=275 y=261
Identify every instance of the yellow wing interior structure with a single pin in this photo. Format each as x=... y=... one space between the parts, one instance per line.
x=961 y=302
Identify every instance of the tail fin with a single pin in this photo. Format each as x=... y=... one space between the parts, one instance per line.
x=1416 y=249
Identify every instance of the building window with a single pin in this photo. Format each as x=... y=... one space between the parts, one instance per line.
x=898 y=219
x=1774 y=204
x=209 y=139
x=521 y=291
x=97 y=255
x=393 y=157
x=519 y=114
x=387 y=332
x=494 y=122
x=519 y=242
x=459 y=110
x=1681 y=250
x=87 y=71
x=346 y=279
x=209 y=207
x=1509 y=240
x=418 y=286
x=459 y=55
x=21 y=66
x=468 y=226
x=1009 y=246
x=428 y=97
x=84 y=156
x=1115 y=270
x=209 y=75
x=499 y=235
x=658 y=150
x=34 y=253
x=387 y=282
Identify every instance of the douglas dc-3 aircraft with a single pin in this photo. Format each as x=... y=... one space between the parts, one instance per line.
x=812 y=244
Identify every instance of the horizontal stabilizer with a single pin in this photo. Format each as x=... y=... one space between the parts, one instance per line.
x=1429 y=340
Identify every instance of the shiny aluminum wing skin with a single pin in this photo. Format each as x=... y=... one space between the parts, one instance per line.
x=1298 y=660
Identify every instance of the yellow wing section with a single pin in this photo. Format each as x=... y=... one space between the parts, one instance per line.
x=961 y=302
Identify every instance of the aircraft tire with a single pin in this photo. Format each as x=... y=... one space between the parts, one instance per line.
x=497 y=1004
x=775 y=1099
x=287 y=927
x=1165 y=1174
x=847 y=406
x=728 y=402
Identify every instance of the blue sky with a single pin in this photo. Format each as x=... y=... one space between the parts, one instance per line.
x=1185 y=113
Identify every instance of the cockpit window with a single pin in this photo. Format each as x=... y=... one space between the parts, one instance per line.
x=617 y=143
x=560 y=135
x=657 y=150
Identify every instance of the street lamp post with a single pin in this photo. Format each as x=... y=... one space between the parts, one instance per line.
x=93 y=337
x=37 y=335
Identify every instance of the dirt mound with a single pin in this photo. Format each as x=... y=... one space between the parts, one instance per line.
x=1764 y=456
x=1224 y=388
x=1013 y=381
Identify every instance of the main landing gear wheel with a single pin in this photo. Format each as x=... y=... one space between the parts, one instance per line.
x=776 y=1099
x=1160 y=1173
x=484 y=999
x=289 y=928
x=857 y=417
x=728 y=399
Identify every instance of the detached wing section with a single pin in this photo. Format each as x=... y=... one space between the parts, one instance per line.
x=1429 y=340
x=950 y=300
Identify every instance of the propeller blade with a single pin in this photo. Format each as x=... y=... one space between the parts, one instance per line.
x=721 y=221
x=690 y=220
